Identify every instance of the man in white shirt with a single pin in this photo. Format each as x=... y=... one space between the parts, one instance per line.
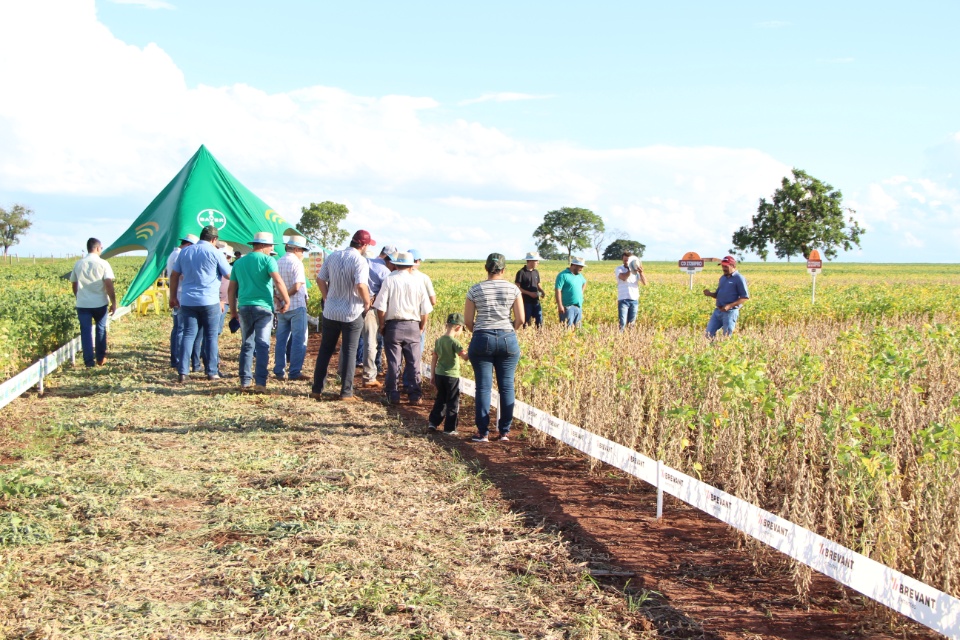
x=629 y=278
x=402 y=308
x=92 y=279
x=176 y=334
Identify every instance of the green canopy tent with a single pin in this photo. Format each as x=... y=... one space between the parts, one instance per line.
x=203 y=193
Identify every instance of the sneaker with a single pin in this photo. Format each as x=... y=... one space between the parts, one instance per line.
x=349 y=399
x=451 y=433
x=503 y=438
x=260 y=388
x=372 y=384
x=215 y=376
x=244 y=388
x=479 y=438
x=431 y=428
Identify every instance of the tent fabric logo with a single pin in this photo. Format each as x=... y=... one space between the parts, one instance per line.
x=273 y=217
x=146 y=230
x=211 y=218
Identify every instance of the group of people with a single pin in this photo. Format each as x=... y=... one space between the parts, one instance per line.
x=380 y=301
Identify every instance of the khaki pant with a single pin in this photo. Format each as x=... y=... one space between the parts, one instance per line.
x=369 y=333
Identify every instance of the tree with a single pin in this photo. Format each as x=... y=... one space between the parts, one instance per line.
x=13 y=224
x=804 y=214
x=615 y=249
x=600 y=238
x=321 y=223
x=569 y=228
x=549 y=251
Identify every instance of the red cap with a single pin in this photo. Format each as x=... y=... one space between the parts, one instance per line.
x=730 y=260
x=363 y=237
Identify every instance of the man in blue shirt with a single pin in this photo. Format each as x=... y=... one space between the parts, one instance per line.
x=195 y=291
x=731 y=294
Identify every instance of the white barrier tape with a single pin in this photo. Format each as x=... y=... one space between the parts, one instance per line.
x=908 y=596
x=35 y=373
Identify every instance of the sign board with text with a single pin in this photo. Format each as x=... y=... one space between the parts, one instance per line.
x=690 y=262
x=814 y=263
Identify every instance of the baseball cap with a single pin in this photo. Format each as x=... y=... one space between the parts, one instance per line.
x=363 y=237
x=495 y=262
x=730 y=260
x=388 y=250
x=456 y=318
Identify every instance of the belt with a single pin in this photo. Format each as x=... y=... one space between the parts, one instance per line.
x=571 y=305
x=389 y=321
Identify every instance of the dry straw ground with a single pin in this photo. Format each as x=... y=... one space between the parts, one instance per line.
x=130 y=507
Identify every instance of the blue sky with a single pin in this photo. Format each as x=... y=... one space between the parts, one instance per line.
x=457 y=127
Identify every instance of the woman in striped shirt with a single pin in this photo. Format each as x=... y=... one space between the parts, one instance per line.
x=494 y=347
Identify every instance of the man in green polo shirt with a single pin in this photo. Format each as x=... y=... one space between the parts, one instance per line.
x=252 y=282
x=568 y=289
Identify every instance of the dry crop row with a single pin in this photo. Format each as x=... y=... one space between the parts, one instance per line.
x=843 y=417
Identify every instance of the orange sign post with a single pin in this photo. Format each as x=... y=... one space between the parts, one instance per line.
x=814 y=266
x=690 y=263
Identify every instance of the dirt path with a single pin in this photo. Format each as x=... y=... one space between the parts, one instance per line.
x=704 y=584
x=134 y=507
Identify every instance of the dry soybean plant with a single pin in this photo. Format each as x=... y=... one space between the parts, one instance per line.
x=849 y=428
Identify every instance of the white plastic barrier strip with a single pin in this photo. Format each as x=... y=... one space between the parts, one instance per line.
x=35 y=373
x=908 y=596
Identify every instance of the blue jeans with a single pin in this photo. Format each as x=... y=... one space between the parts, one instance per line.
x=255 y=325
x=200 y=346
x=329 y=337
x=292 y=328
x=494 y=351
x=572 y=316
x=726 y=320
x=176 y=337
x=196 y=320
x=94 y=345
x=532 y=311
x=627 y=310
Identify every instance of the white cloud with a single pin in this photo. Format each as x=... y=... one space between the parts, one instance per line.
x=98 y=117
x=146 y=4
x=503 y=97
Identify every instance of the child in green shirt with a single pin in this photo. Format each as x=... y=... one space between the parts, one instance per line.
x=445 y=373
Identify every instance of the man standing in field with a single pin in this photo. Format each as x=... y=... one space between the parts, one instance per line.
x=568 y=290
x=251 y=293
x=292 y=323
x=92 y=279
x=176 y=334
x=402 y=308
x=731 y=294
x=629 y=278
x=528 y=281
x=195 y=290
x=343 y=284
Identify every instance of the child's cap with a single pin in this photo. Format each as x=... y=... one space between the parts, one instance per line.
x=456 y=318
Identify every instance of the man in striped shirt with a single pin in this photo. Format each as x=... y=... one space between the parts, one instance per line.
x=343 y=284
x=292 y=324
